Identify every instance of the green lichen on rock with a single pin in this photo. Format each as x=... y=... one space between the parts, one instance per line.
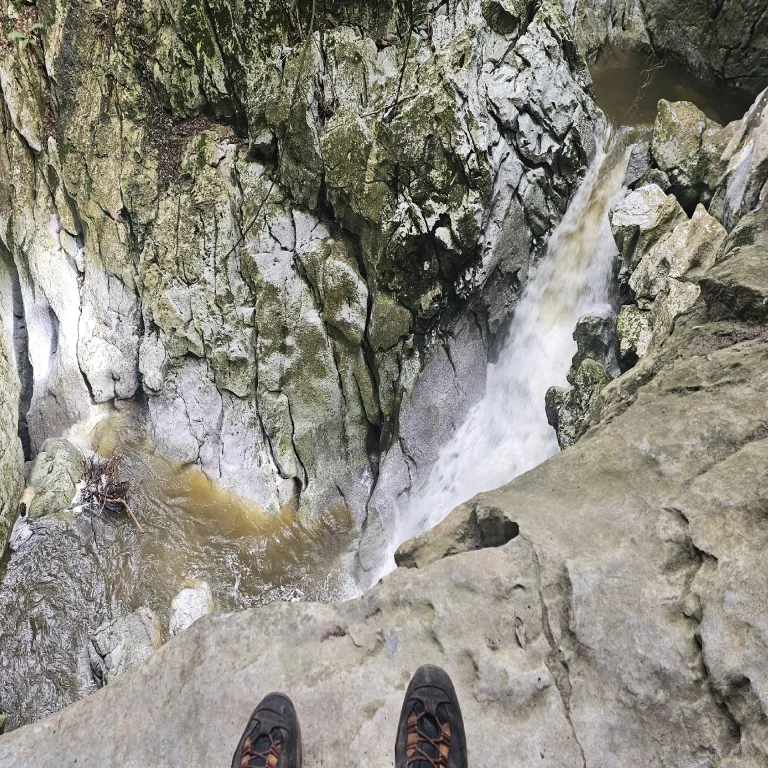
x=253 y=226
x=11 y=457
x=54 y=475
x=685 y=147
x=568 y=409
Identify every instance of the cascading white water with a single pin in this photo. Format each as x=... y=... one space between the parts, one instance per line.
x=507 y=432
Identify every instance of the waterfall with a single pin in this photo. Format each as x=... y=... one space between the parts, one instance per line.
x=507 y=433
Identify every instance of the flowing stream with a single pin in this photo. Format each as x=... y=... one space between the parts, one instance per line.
x=507 y=433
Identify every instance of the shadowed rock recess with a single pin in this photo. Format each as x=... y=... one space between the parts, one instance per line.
x=295 y=234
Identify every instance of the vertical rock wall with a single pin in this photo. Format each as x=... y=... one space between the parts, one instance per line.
x=291 y=231
x=11 y=456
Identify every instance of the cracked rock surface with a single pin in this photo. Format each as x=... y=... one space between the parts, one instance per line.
x=239 y=217
x=622 y=625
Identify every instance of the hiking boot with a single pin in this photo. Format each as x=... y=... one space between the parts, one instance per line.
x=430 y=733
x=272 y=738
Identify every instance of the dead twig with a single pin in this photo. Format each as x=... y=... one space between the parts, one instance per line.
x=389 y=105
x=125 y=506
x=103 y=489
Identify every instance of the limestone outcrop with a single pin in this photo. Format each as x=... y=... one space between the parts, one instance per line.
x=242 y=219
x=622 y=625
x=665 y=254
x=11 y=458
x=119 y=645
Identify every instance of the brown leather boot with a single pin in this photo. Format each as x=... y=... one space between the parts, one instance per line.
x=431 y=730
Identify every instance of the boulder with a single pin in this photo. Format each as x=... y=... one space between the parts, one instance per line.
x=193 y=602
x=479 y=527
x=54 y=476
x=633 y=332
x=592 y=367
x=689 y=251
x=641 y=219
x=568 y=409
x=595 y=337
x=122 y=644
x=680 y=134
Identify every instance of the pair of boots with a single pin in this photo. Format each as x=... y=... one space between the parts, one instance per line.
x=430 y=733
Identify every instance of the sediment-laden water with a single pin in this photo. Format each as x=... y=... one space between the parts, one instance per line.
x=70 y=577
x=507 y=432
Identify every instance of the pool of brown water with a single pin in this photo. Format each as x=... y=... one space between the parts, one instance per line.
x=629 y=85
x=194 y=528
x=81 y=570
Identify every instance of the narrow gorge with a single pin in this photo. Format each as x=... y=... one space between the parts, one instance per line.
x=342 y=337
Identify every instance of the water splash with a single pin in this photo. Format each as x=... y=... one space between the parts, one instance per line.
x=507 y=432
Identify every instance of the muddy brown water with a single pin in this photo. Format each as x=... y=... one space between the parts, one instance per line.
x=78 y=572
x=629 y=85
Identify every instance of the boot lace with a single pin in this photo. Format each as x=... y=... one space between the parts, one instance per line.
x=261 y=758
x=419 y=740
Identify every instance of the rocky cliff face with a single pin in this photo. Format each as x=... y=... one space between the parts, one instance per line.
x=11 y=458
x=606 y=608
x=238 y=215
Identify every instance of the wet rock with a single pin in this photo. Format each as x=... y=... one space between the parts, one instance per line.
x=592 y=367
x=639 y=163
x=641 y=218
x=595 y=337
x=266 y=249
x=54 y=476
x=480 y=527
x=743 y=163
x=11 y=457
x=121 y=644
x=633 y=331
x=193 y=602
x=568 y=409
